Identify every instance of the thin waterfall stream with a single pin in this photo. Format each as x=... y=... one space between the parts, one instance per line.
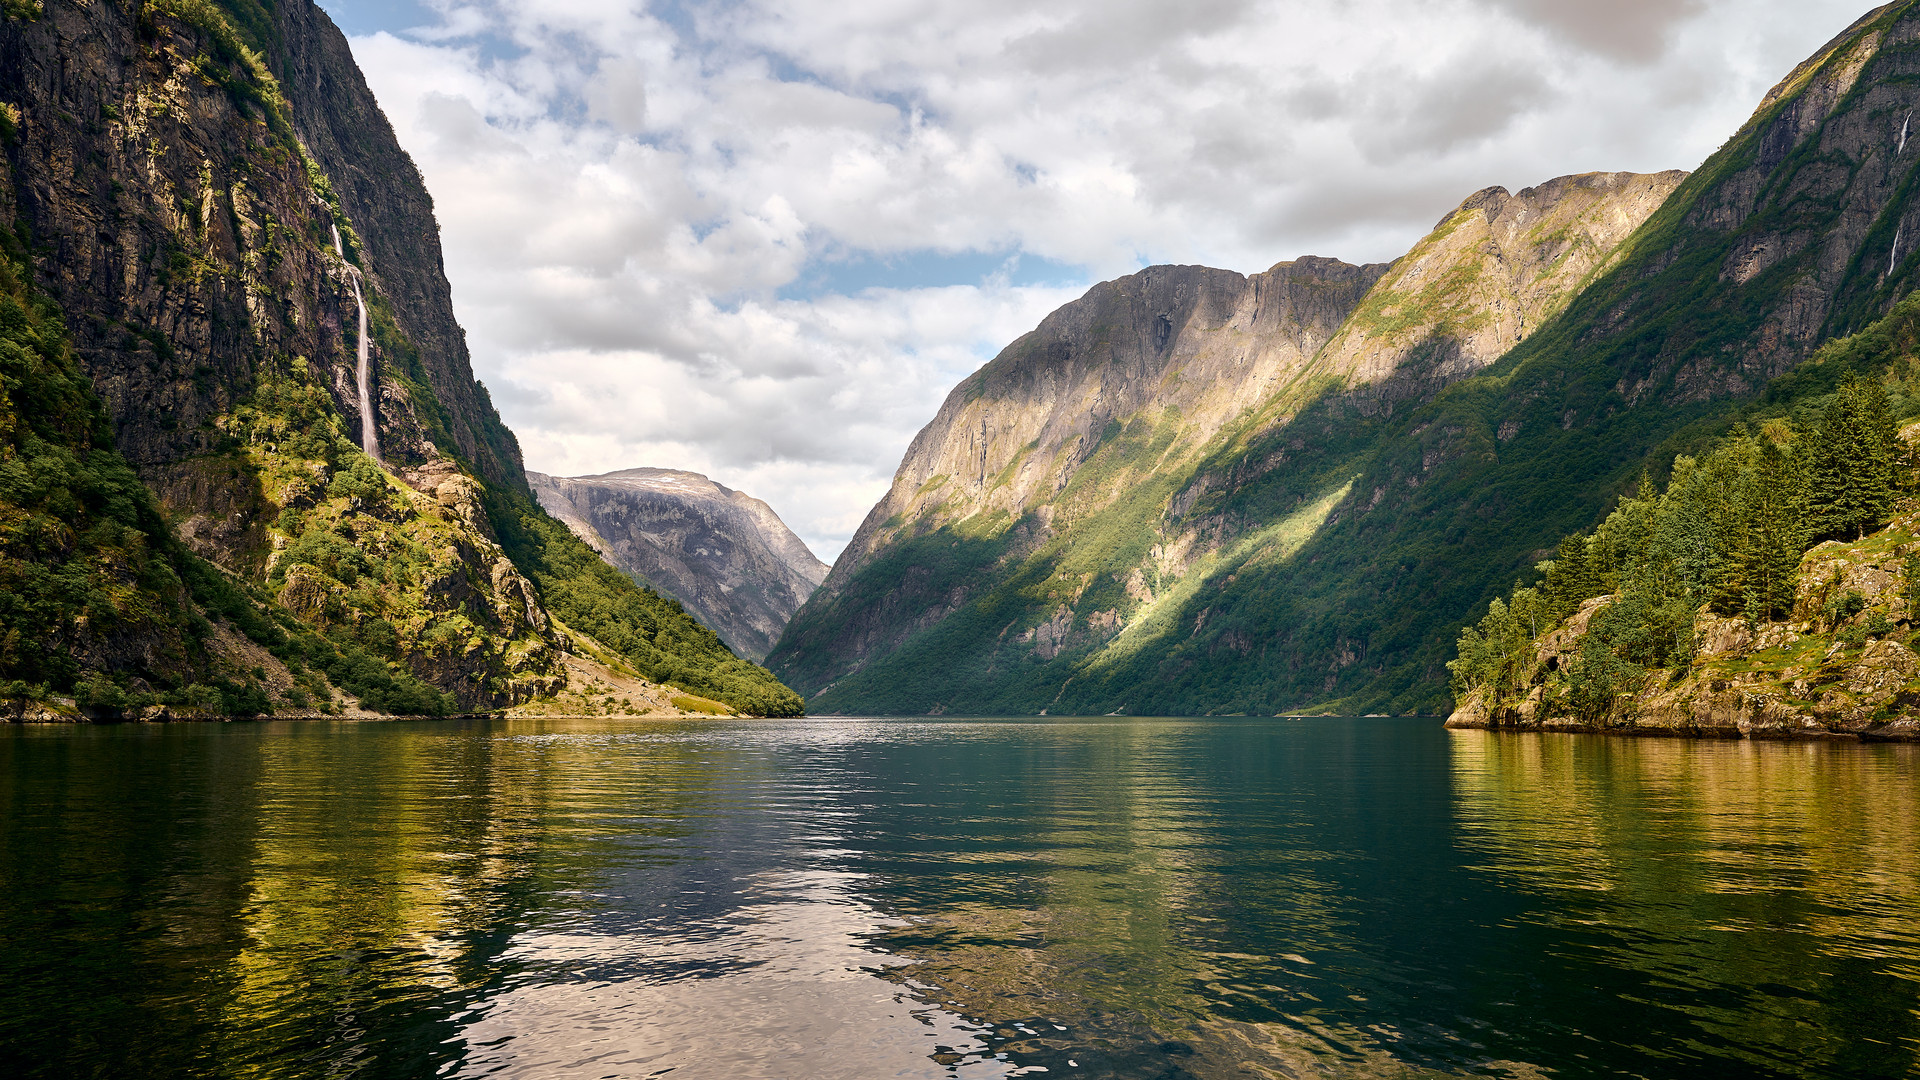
x=369 y=433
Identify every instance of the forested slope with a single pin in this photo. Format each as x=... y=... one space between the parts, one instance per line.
x=1701 y=610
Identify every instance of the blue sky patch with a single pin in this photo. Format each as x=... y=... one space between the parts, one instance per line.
x=360 y=17
x=854 y=272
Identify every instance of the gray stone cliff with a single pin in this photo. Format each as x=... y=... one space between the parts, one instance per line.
x=723 y=554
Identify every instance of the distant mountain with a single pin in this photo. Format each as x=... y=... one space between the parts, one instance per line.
x=723 y=553
x=1193 y=492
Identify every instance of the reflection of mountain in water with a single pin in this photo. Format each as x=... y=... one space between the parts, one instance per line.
x=1110 y=899
x=1760 y=891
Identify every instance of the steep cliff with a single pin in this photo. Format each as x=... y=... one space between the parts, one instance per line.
x=380 y=190
x=723 y=553
x=179 y=207
x=1059 y=515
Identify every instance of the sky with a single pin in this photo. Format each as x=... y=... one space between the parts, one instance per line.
x=762 y=239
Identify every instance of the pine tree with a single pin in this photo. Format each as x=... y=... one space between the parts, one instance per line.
x=1571 y=580
x=1854 y=457
x=1774 y=536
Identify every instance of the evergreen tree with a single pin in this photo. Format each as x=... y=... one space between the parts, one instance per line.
x=1571 y=577
x=1854 y=461
x=1773 y=536
x=1728 y=531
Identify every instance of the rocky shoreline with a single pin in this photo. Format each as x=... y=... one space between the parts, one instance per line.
x=1904 y=730
x=1841 y=667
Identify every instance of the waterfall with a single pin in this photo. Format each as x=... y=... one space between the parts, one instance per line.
x=1893 y=258
x=1905 y=126
x=369 y=433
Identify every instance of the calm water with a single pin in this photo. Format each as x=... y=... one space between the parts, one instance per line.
x=824 y=899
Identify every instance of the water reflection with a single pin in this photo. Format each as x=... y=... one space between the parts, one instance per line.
x=1756 y=900
x=780 y=985
x=1115 y=899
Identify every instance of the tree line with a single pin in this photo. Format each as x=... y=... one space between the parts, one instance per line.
x=1727 y=532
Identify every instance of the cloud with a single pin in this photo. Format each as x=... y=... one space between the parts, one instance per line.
x=1632 y=30
x=762 y=239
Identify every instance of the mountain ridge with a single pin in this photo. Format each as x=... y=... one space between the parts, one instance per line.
x=722 y=553
x=1324 y=553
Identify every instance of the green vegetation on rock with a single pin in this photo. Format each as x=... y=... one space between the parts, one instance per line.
x=97 y=598
x=1625 y=612
x=244 y=556
x=652 y=632
x=87 y=574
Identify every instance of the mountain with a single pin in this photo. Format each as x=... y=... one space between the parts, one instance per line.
x=1066 y=462
x=273 y=480
x=722 y=553
x=1495 y=389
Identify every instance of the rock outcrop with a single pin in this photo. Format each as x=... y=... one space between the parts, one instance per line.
x=723 y=553
x=1842 y=666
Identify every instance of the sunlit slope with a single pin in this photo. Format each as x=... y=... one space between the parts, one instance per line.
x=1327 y=547
x=1778 y=242
x=1057 y=520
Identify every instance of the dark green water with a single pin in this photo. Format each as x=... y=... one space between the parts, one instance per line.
x=819 y=898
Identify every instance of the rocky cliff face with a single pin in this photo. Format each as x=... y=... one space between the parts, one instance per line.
x=723 y=553
x=1156 y=382
x=181 y=226
x=200 y=224
x=380 y=190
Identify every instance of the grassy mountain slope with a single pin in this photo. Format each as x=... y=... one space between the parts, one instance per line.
x=1037 y=601
x=1326 y=552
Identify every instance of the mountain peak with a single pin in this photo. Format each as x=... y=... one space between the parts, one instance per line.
x=722 y=553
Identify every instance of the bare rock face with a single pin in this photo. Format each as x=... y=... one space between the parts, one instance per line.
x=1194 y=346
x=723 y=554
x=1490 y=273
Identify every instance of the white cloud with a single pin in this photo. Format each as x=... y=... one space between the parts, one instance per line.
x=631 y=194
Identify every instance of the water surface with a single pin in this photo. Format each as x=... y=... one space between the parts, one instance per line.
x=865 y=899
